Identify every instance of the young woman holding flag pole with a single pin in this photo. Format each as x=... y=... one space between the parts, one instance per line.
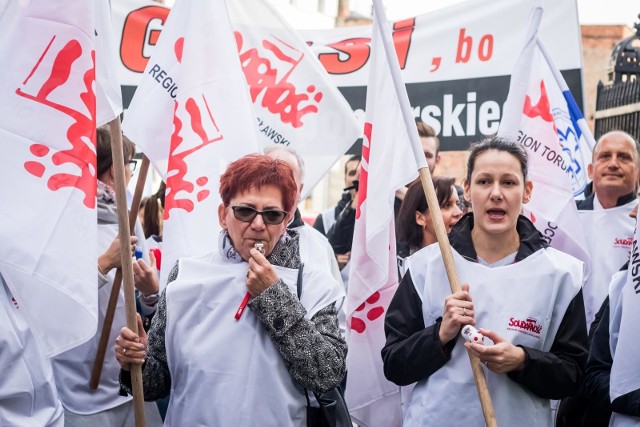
x=526 y=296
x=432 y=200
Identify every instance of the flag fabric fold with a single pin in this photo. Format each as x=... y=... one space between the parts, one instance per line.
x=541 y=114
x=108 y=92
x=295 y=102
x=48 y=226
x=191 y=115
x=625 y=377
x=388 y=163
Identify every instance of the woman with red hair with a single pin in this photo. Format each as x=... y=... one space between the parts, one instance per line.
x=226 y=367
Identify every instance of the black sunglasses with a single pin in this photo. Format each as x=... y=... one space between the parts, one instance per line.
x=248 y=214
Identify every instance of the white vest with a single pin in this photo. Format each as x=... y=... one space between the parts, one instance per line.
x=315 y=249
x=73 y=368
x=328 y=219
x=228 y=372
x=609 y=233
x=524 y=303
x=28 y=395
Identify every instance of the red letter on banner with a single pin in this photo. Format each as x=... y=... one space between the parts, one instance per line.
x=402 y=31
x=357 y=51
x=135 y=38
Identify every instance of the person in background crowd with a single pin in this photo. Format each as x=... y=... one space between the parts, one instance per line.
x=605 y=213
x=431 y=149
x=143 y=201
x=327 y=218
x=229 y=367
x=314 y=247
x=414 y=227
x=430 y=144
x=72 y=369
x=524 y=297
x=153 y=217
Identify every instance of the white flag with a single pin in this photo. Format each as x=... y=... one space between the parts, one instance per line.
x=295 y=102
x=108 y=93
x=48 y=225
x=625 y=377
x=541 y=114
x=191 y=115
x=388 y=163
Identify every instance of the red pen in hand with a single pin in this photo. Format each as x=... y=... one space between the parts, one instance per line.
x=260 y=247
x=243 y=305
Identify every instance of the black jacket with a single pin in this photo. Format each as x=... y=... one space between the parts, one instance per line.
x=597 y=376
x=413 y=352
x=319 y=222
x=587 y=204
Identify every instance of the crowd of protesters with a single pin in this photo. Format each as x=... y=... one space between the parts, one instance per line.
x=254 y=333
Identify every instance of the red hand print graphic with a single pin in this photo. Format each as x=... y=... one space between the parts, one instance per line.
x=359 y=325
x=81 y=133
x=204 y=130
x=542 y=109
x=267 y=71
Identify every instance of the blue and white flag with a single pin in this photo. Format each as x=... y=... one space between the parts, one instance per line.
x=541 y=114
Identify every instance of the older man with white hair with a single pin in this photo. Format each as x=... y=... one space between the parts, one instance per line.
x=314 y=247
x=604 y=214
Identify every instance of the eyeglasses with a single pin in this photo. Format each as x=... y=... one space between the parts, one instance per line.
x=132 y=165
x=248 y=214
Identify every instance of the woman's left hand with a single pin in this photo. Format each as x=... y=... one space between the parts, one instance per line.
x=260 y=275
x=501 y=357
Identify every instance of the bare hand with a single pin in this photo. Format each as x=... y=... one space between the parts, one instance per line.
x=260 y=275
x=131 y=348
x=502 y=357
x=146 y=276
x=111 y=257
x=458 y=311
x=343 y=259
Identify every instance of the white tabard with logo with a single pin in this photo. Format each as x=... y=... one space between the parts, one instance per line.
x=524 y=303
x=609 y=233
x=228 y=372
x=27 y=391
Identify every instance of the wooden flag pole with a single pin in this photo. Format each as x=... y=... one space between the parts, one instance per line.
x=430 y=192
x=454 y=283
x=115 y=289
x=127 y=264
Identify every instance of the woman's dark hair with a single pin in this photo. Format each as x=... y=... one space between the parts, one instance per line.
x=407 y=230
x=499 y=144
x=103 y=149
x=152 y=206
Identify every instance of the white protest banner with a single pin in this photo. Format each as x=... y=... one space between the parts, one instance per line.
x=456 y=61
